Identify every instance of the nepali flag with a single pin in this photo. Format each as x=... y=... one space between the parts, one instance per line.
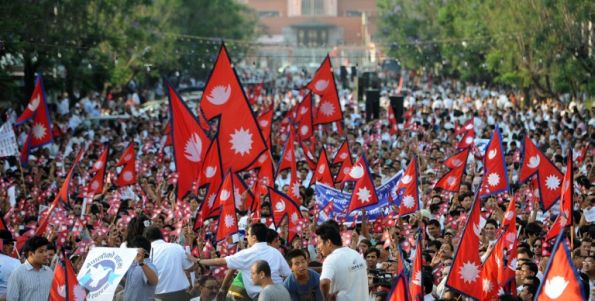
x=65 y=285
x=566 y=200
x=408 y=189
x=491 y=268
x=167 y=132
x=468 y=126
x=495 y=175
x=548 y=175
x=97 y=182
x=240 y=139
x=561 y=278
x=288 y=161
x=467 y=140
x=189 y=143
x=127 y=175
x=212 y=169
x=343 y=157
x=283 y=206
x=392 y=121
x=228 y=220
x=25 y=151
x=243 y=197
x=364 y=192
x=416 y=288
x=62 y=196
x=304 y=118
x=400 y=289
x=309 y=158
x=451 y=181
x=323 y=84
x=265 y=122
x=37 y=98
x=322 y=172
x=464 y=275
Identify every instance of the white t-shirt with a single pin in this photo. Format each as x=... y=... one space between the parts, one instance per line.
x=171 y=262
x=243 y=260
x=7 y=265
x=347 y=271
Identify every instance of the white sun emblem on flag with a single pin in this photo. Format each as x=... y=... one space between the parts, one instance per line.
x=295 y=189
x=343 y=156
x=39 y=131
x=211 y=200
x=229 y=221
x=327 y=108
x=321 y=169
x=127 y=176
x=486 y=285
x=493 y=179
x=128 y=157
x=288 y=156
x=346 y=170
x=510 y=237
x=469 y=272
x=98 y=164
x=304 y=129
x=95 y=185
x=456 y=162
x=241 y=141
x=193 y=148
x=263 y=123
x=451 y=180
x=552 y=182
x=468 y=140
x=294 y=217
x=363 y=194
x=555 y=286
x=417 y=279
x=408 y=201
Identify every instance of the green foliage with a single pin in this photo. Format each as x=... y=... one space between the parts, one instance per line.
x=536 y=44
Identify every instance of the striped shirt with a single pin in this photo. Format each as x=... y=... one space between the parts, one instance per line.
x=28 y=284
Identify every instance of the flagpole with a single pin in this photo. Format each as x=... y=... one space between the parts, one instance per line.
x=22 y=177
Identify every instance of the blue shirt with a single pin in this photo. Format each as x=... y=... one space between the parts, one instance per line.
x=137 y=286
x=304 y=292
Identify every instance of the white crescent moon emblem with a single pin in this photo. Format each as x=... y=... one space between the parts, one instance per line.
x=492 y=154
x=219 y=95
x=280 y=206
x=406 y=179
x=533 y=161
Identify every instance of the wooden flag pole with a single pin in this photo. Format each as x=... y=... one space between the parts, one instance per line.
x=22 y=177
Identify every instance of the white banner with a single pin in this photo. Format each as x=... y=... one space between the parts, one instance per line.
x=8 y=141
x=102 y=271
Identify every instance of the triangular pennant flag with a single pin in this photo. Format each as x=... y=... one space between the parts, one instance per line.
x=65 y=285
x=323 y=84
x=548 y=175
x=37 y=99
x=126 y=156
x=322 y=173
x=408 y=189
x=304 y=118
x=416 y=287
x=364 y=192
x=464 y=273
x=566 y=201
x=228 y=221
x=240 y=139
x=343 y=153
x=212 y=169
x=561 y=280
x=189 y=143
x=467 y=141
x=283 y=206
x=97 y=182
x=451 y=181
x=265 y=122
x=400 y=289
x=127 y=175
x=495 y=174
x=468 y=126
x=393 y=127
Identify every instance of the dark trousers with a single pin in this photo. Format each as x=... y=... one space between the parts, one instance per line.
x=173 y=296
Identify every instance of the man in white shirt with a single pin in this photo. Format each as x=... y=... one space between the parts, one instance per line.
x=344 y=271
x=7 y=263
x=258 y=250
x=171 y=262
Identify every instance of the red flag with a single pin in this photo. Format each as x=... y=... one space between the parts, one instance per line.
x=288 y=157
x=364 y=192
x=212 y=169
x=400 y=289
x=490 y=270
x=283 y=206
x=464 y=272
x=322 y=172
x=2 y=223
x=265 y=121
x=309 y=158
x=127 y=175
x=566 y=199
x=189 y=142
x=37 y=99
x=416 y=288
x=451 y=181
x=561 y=279
x=304 y=118
x=468 y=126
x=548 y=175
x=228 y=220
x=392 y=121
x=65 y=286
x=240 y=139
x=495 y=175
x=25 y=151
x=408 y=189
x=99 y=167
x=167 y=134
x=323 y=84
x=467 y=140
x=244 y=199
x=344 y=158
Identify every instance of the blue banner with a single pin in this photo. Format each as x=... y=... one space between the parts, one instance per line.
x=340 y=201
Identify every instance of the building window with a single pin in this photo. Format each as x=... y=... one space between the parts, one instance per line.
x=268 y=13
x=353 y=13
x=312 y=7
x=312 y=37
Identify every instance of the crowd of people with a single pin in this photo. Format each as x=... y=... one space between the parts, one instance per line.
x=327 y=260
